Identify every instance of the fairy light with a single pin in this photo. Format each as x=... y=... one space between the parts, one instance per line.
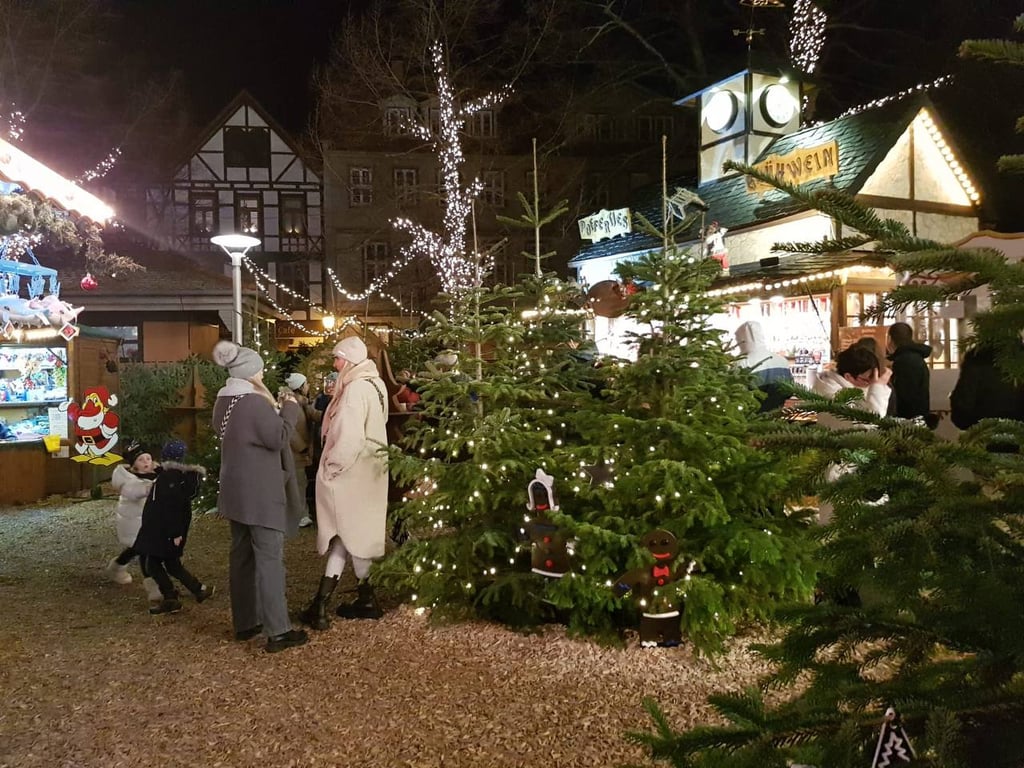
x=375 y=288
x=881 y=102
x=447 y=252
x=925 y=120
x=103 y=167
x=15 y=124
x=807 y=35
x=840 y=275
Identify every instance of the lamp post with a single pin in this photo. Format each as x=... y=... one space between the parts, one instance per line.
x=236 y=246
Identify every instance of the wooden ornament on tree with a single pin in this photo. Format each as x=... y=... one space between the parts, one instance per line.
x=659 y=619
x=549 y=551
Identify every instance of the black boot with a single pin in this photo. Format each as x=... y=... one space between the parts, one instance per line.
x=315 y=616
x=365 y=605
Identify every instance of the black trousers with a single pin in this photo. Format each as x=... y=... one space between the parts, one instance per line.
x=161 y=569
x=126 y=557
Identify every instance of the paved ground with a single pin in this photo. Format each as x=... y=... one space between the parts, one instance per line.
x=89 y=678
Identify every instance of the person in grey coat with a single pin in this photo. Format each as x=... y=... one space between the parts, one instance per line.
x=254 y=463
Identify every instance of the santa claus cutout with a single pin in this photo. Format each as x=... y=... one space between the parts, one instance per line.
x=95 y=426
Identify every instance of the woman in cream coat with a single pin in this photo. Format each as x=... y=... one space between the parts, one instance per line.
x=351 y=483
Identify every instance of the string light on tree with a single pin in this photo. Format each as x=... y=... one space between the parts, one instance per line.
x=103 y=167
x=447 y=251
x=807 y=35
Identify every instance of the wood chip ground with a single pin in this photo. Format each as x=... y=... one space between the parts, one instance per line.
x=88 y=678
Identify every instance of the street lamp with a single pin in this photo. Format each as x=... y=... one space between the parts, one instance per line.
x=236 y=246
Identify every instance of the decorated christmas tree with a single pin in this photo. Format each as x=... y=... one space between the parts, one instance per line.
x=668 y=449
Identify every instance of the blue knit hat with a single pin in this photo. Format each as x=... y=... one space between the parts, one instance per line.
x=174 y=450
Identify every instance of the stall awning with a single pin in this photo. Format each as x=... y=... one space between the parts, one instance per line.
x=32 y=176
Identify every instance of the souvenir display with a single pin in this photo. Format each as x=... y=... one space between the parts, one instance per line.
x=32 y=379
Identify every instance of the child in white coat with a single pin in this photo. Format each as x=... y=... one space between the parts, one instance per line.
x=132 y=481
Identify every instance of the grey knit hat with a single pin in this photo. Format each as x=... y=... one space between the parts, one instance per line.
x=241 y=362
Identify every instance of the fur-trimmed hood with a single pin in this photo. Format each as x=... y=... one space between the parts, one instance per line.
x=198 y=468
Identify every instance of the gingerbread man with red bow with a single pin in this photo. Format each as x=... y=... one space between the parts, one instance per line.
x=659 y=619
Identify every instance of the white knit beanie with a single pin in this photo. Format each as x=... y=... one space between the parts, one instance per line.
x=352 y=349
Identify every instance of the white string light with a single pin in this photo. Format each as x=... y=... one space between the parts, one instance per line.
x=102 y=168
x=807 y=35
x=876 y=103
x=375 y=289
x=447 y=252
x=15 y=120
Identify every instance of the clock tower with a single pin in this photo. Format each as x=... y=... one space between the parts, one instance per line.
x=742 y=115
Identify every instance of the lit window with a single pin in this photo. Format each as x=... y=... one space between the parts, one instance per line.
x=397 y=120
x=360 y=190
x=293 y=215
x=204 y=219
x=248 y=214
x=406 y=187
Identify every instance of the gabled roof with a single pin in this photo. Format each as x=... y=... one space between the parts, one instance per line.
x=244 y=99
x=864 y=140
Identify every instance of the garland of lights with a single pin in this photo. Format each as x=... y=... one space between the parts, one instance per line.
x=103 y=167
x=807 y=35
x=447 y=252
x=373 y=290
x=881 y=102
x=15 y=120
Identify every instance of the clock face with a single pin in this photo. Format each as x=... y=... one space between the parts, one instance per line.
x=777 y=106
x=720 y=112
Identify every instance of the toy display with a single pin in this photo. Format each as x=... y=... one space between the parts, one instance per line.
x=31 y=379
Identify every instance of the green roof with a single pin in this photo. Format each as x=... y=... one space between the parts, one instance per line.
x=864 y=140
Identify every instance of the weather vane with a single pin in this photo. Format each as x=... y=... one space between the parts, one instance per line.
x=751 y=32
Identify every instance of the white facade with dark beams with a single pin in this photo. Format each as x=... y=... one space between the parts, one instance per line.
x=246 y=175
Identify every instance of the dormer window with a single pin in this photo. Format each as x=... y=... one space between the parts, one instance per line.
x=397 y=120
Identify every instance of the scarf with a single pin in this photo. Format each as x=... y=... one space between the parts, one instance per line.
x=364 y=370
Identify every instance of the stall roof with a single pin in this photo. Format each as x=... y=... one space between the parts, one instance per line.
x=864 y=139
x=18 y=167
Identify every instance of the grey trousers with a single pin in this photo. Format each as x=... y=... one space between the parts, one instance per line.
x=256 y=579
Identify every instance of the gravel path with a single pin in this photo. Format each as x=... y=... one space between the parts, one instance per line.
x=89 y=678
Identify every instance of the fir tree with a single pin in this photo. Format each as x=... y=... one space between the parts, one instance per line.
x=673 y=434
x=927 y=535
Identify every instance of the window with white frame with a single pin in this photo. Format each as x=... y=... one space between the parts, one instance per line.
x=360 y=186
x=397 y=120
x=204 y=220
x=292 y=214
x=481 y=124
x=406 y=187
x=249 y=214
x=376 y=260
x=493 y=192
x=597 y=127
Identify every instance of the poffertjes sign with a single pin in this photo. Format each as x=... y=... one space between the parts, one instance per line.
x=798 y=167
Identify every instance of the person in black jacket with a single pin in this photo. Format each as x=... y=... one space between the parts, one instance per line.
x=166 y=518
x=910 y=382
x=983 y=391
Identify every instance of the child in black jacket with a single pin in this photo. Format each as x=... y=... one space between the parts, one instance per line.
x=166 y=518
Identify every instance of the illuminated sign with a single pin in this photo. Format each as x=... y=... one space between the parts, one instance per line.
x=20 y=168
x=604 y=224
x=798 y=167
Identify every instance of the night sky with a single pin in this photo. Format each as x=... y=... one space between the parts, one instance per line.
x=269 y=47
